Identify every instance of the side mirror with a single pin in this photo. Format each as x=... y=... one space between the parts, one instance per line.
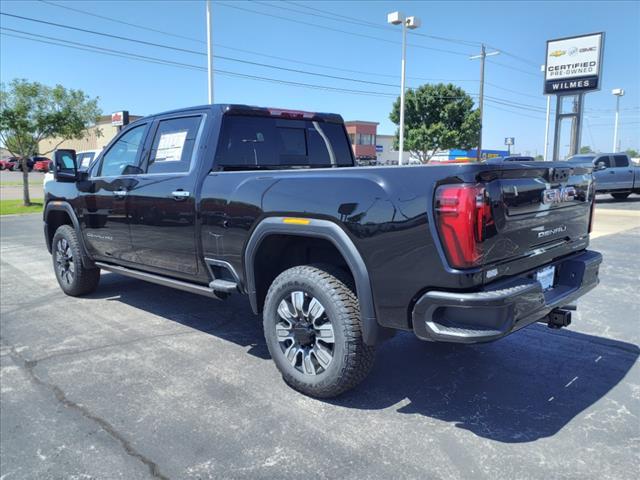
x=600 y=166
x=65 y=166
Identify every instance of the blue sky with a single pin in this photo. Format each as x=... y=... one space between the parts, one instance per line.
x=337 y=48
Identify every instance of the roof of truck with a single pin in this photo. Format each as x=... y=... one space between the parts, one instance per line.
x=230 y=109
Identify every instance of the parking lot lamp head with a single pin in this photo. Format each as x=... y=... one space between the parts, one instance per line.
x=398 y=18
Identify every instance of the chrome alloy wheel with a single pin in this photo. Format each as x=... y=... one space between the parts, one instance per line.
x=305 y=333
x=64 y=261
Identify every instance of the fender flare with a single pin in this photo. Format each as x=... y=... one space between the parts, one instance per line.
x=337 y=236
x=58 y=205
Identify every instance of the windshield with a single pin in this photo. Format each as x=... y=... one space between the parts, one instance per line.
x=582 y=158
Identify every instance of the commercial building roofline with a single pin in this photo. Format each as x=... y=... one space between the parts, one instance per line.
x=353 y=122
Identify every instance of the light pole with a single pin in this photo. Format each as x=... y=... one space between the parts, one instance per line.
x=397 y=18
x=482 y=56
x=209 y=52
x=546 y=127
x=618 y=92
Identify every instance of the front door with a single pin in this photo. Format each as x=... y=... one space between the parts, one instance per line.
x=105 y=216
x=163 y=201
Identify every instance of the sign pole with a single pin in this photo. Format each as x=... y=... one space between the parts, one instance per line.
x=546 y=129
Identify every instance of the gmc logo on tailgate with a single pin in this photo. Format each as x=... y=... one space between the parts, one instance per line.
x=551 y=196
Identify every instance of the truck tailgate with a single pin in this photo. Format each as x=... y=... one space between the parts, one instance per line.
x=539 y=210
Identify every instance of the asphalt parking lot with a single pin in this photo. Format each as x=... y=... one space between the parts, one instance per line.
x=140 y=381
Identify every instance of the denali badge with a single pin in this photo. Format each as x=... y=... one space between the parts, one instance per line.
x=558 y=195
x=553 y=231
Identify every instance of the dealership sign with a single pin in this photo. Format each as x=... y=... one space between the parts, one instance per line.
x=574 y=65
x=120 y=118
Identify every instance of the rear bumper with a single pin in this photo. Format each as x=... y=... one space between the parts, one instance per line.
x=505 y=306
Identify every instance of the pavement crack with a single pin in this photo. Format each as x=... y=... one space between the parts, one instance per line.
x=61 y=397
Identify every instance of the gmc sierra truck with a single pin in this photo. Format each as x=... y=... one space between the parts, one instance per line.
x=225 y=199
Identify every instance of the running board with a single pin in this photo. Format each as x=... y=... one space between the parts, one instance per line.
x=160 y=280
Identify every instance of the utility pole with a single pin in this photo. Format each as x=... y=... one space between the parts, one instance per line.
x=546 y=128
x=483 y=55
x=209 y=51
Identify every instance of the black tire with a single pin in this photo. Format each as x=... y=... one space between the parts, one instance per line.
x=351 y=358
x=73 y=277
x=620 y=196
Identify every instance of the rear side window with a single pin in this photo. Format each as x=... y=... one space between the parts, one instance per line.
x=247 y=142
x=621 y=160
x=173 y=145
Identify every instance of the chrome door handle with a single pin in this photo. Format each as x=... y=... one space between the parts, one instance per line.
x=120 y=193
x=180 y=194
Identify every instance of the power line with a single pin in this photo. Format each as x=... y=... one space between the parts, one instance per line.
x=434 y=37
x=85 y=46
x=356 y=21
x=133 y=56
x=515 y=112
x=324 y=27
x=252 y=52
x=512 y=91
x=222 y=57
x=109 y=35
x=111 y=19
x=514 y=68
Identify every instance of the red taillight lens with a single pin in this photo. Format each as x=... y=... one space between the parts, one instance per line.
x=463 y=214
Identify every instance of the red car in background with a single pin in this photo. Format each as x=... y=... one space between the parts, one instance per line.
x=41 y=164
x=8 y=163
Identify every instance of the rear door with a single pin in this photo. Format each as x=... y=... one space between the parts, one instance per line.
x=105 y=218
x=537 y=209
x=162 y=204
x=623 y=172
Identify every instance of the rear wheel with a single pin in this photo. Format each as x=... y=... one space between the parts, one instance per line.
x=73 y=277
x=313 y=331
x=620 y=196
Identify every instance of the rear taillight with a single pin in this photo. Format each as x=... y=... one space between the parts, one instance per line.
x=463 y=217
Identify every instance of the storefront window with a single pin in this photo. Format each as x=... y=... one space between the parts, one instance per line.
x=366 y=139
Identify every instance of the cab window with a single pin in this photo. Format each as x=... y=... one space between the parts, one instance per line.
x=259 y=142
x=621 y=160
x=122 y=157
x=173 y=145
x=605 y=160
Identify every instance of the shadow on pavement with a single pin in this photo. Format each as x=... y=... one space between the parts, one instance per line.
x=519 y=389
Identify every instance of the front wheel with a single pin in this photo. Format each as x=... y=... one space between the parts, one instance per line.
x=313 y=331
x=73 y=277
x=620 y=196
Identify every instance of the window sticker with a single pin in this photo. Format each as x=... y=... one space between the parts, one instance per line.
x=170 y=146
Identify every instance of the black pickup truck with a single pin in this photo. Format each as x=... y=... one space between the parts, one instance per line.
x=225 y=199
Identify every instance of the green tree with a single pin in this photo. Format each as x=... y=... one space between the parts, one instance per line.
x=632 y=153
x=539 y=158
x=586 y=149
x=437 y=117
x=31 y=112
